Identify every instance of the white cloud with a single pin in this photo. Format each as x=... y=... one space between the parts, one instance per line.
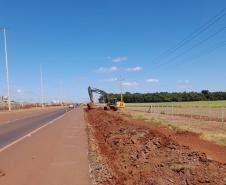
x=129 y=83
x=119 y=59
x=19 y=91
x=152 y=80
x=111 y=80
x=107 y=69
x=134 y=69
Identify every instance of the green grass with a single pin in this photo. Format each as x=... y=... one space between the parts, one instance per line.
x=220 y=103
x=216 y=138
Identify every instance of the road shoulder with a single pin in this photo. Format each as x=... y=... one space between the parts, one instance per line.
x=56 y=154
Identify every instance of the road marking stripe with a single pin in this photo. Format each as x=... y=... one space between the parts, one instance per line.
x=32 y=132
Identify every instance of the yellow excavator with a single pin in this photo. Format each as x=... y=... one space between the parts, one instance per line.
x=112 y=103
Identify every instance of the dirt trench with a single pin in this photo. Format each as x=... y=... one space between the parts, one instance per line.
x=123 y=153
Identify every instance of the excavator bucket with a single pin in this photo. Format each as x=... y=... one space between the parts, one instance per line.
x=90 y=105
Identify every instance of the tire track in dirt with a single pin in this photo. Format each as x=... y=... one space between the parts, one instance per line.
x=123 y=153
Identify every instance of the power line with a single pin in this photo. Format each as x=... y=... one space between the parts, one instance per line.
x=194 y=34
x=207 y=52
x=204 y=53
x=194 y=46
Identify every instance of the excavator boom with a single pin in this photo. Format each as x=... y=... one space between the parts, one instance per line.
x=98 y=91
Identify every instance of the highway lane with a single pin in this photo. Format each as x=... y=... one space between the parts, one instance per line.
x=16 y=129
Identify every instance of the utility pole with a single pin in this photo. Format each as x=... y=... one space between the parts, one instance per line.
x=120 y=81
x=41 y=83
x=7 y=71
x=121 y=91
x=61 y=93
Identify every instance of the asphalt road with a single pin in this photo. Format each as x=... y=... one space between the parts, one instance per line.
x=13 y=130
x=54 y=155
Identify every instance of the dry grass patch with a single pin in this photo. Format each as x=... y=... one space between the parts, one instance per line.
x=206 y=134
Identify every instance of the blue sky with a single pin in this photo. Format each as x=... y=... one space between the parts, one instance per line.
x=96 y=42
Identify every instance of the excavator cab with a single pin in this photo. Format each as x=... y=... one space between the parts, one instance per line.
x=112 y=104
x=113 y=101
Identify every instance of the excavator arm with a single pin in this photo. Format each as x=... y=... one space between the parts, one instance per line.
x=90 y=92
x=98 y=91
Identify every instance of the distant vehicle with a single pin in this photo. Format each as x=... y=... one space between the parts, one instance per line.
x=71 y=106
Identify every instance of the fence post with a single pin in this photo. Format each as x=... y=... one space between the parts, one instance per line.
x=210 y=112
x=150 y=109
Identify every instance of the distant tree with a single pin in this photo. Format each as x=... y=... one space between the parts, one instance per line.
x=205 y=92
x=168 y=97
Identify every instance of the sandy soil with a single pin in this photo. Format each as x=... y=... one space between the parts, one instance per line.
x=125 y=152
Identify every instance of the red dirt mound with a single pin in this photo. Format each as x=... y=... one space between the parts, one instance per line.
x=127 y=154
x=212 y=150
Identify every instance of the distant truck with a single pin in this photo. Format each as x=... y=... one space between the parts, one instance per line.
x=71 y=106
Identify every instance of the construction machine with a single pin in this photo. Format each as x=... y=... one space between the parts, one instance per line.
x=112 y=103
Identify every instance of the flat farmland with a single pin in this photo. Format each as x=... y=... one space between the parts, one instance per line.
x=221 y=103
x=201 y=113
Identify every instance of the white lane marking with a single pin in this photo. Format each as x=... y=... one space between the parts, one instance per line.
x=32 y=132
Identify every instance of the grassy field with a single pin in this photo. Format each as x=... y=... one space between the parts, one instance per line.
x=210 y=131
x=182 y=104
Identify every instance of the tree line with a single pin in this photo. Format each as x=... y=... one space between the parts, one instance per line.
x=204 y=95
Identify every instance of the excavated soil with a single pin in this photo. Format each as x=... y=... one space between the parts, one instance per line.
x=124 y=153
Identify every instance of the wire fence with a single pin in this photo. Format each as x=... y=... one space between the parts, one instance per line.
x=200 y=113
x=17 y=106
